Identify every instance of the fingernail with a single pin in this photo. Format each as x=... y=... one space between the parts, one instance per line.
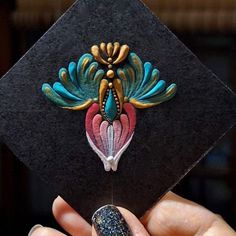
x=33 y=229
x=109 y=221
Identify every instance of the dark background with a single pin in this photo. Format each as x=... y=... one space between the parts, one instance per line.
x=208 y=28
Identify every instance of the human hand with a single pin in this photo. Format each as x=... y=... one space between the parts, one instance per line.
x=171 y=216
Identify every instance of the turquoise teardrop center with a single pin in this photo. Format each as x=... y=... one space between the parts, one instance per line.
x=110 y=107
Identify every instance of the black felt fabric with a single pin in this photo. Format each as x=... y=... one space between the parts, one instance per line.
x=169 y=139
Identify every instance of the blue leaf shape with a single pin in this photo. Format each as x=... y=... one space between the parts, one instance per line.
x=157 y=89
x=166 y=95
x=141 y=84
x=79 y=84
x=110 y=107
x=60 y=89
x=136 y=65
x=72 y=72
x=68 y=84
x=147 y=73
x=52 y=95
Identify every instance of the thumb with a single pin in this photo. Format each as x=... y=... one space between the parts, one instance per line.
x=113 y=221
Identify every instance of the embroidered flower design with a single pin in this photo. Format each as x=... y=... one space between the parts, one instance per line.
x=112 y=97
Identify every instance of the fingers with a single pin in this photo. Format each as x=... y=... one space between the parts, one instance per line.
x=110 y=220
x=136 y=227
x=69 y=219
x=174 y=215
x=220 y=228
x=44 y=231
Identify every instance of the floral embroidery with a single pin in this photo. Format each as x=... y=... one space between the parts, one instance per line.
x=111 y=82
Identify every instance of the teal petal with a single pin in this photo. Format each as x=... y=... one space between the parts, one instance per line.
x=72 y=72
x=56 y=98
x=78 y=84
x=98 y=76
x=163 y=97
x=126 y=83
x=152 y=82
x=82 y=66
x=129 y=80
x=145 y=80
x=90 y=72
x=60 y=89
x=137 y=65
x=159 y=88
x=110 y=107
x=147 y=73
x=73 y=89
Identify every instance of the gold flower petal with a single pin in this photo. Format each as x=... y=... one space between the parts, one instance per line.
x=124 y=50
x=97 y=56
x=109 y=49
x=116 y=48
x=119 y=90
x=103 y=48
x=103 y=87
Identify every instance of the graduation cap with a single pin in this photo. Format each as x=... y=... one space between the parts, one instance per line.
x=110 y=107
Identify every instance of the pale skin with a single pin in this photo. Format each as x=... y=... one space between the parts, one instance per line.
x=172 y=216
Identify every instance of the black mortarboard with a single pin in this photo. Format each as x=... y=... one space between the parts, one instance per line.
x=108 y=81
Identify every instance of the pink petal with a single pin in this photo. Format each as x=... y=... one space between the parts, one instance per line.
x=103 y=133
x=131 y=112
x=117 y=134
x=125 y=129
x=92 y=111
x=97 y=120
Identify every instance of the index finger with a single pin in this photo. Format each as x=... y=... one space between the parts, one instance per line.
x=69 y=219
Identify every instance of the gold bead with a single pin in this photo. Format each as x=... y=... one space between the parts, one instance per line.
x=110 y=85
x=110 y=59
x=109 y=66
x=110 y=74
x=126 y=99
